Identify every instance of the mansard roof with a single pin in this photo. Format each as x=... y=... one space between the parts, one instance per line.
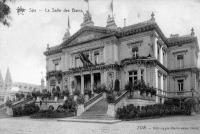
x=179 y=40
x=148 y=25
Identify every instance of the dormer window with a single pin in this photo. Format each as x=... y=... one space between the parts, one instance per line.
x=135 y=52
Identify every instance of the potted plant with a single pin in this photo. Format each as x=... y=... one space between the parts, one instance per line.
x=38 y=95
x=80 y=102
x=97 y=90
x=153 y=93
x=34 y=95
x=136 y=89
x=142 y=88
x=129 y=88
x=110 y=98
x=148 y=92
x=104 y=90
x=56 y=93
x=76 y=93
x=87 y=94
x=65 y=94
x=9 y=109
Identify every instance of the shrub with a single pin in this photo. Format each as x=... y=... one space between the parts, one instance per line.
x=19 y=96
x=77 y=92
x=56 y=92
x=28 y=109
x=81 y=99
x=129 y=88
x=8 y=103
x=100 y=89
x=87 y=92
x=153 y=91
x=110 y=97
x=28 y=96
x=38 y=94
x=51 y=108
x=66 y=93
x=60 y=109
x=117 y=85
x=131 y=112
x=45 y=94
x=70 y=105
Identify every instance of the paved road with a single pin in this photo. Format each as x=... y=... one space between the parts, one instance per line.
x=172 y=125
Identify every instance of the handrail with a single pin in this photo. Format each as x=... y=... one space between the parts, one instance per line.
x=120 y=97
x=2 y=105
x=92 y=100
x=21 y=102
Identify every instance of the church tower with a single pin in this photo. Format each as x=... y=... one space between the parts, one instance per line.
x=1 y=82
x=8 y=80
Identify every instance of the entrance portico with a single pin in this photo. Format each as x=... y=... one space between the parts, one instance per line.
x=87 y=81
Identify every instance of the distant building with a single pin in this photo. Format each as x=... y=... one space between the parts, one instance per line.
x=97 y=55
x=6 y=87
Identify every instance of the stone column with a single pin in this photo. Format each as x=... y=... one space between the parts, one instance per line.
x=82 y=84
x=161 y=86
x=92 y=82
x=156 y=82
x=103 y=77
x=155 y=48
x=139 y=73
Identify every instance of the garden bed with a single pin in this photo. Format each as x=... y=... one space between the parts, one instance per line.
x=53 y=114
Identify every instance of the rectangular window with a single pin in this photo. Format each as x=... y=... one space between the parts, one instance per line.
x=96 y=57
x=56 y=63
x=133 y=76
x=56 y=66
x=180 y=61
x=135 y=52
x=77 y=61
x=142 y=74
x=180 y=85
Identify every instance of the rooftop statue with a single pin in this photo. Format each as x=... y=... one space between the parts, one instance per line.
x=87 y=17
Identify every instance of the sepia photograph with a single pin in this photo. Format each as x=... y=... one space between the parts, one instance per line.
x=99 y=67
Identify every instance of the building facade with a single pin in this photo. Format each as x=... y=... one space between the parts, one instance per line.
x=99 y=55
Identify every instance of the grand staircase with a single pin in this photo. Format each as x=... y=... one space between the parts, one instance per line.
x=97 y=111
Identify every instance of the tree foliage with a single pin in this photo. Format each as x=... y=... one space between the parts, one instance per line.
x=4 y=12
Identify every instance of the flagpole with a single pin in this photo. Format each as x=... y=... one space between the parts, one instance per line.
x=112 y=10
x=88 y=6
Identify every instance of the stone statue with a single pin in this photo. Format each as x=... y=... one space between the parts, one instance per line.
x=87 y=16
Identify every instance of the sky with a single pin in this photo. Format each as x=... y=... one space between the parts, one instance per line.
x=23 y=43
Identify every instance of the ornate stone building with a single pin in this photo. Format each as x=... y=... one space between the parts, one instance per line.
x=97 y=55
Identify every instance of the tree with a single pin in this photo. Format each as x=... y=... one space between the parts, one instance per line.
x=4 y=12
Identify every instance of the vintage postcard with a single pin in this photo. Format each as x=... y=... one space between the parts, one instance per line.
x=99 y=67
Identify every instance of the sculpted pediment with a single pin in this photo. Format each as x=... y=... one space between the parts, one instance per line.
x=86 y=35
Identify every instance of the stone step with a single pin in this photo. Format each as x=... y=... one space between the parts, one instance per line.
x=97 y=111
